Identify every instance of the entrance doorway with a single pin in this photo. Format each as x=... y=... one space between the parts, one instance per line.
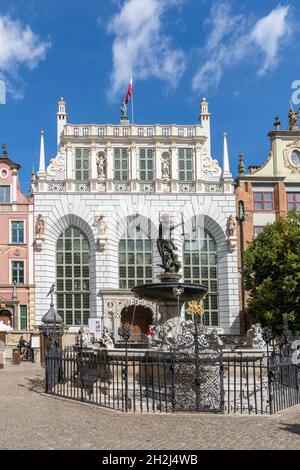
x=139 y=318
x=6 y=317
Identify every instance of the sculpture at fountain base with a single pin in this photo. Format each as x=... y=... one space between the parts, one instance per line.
x=179 y=334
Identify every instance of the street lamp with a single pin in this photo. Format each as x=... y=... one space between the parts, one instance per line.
x=52 y=328
x=125 y=332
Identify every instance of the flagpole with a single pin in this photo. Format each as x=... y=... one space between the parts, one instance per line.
x=132 y=115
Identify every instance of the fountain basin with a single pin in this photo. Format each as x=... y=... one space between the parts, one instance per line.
x=162 y=292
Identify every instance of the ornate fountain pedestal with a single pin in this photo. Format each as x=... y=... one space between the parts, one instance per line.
x=169 y=295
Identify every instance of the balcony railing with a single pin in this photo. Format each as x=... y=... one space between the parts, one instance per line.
x=167 y=131
x=5 y=207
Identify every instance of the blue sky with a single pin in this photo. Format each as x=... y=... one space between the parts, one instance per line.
x=243 y=56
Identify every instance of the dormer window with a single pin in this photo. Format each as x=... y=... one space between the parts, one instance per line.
x=5 y=194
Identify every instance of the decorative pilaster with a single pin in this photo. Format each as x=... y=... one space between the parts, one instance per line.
x=70 y=168
x=14 y=185
x=198 y=163
x=93 y=160
x=110 y=161
x=158 y=161
x=174 y=166
x=133 y=162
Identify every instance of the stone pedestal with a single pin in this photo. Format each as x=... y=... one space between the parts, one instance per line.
x=170 y=277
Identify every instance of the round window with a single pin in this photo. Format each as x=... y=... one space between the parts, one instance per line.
x=4 y=173
x=295 y=157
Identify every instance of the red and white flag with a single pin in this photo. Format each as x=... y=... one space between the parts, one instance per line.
x=129 y=92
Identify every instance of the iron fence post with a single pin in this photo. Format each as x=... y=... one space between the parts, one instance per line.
x=173 y=358
x=80 y=361
x=125 y=332
x=126 y=374
x=197 y=370
x=47 y=372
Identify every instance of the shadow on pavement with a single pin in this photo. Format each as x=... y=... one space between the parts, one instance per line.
x=35 y=384
x=293 y=428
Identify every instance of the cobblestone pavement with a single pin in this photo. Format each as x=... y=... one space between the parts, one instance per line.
x=30 y=420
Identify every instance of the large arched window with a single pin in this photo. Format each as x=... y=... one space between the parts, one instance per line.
x=200 y=267
x=135 y=255
x=73 y=277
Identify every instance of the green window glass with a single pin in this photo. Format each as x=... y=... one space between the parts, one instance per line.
x=146 y=164
x=17 y=232
x=5 y=194
x=73 y=277
x=200 y=263
x=185 y=164
x=121 y=164
x=23 y=317
x=82 y=164
x=17 y=271
x=135 y=259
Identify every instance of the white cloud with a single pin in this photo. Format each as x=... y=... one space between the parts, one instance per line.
x=268 y=34
x=140 y=46
x=19 y=46
x=234 y=38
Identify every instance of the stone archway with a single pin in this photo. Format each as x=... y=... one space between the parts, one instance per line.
x=139 y=318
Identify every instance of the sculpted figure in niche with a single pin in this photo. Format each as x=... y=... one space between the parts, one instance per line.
x=101 y=165
x=166 y=173
x=101 y=225
x=40 y=226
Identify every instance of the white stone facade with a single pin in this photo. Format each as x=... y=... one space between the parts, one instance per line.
x=100 y=207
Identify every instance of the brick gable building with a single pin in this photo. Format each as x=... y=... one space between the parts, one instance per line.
x=269 y=191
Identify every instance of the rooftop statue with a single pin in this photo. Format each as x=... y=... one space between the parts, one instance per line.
x=293 y=119
x=123 y=110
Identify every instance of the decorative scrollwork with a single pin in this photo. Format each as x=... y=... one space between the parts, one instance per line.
x=213 y=188
x=57 y=164
x=186 y=188
x=122 y=187
x=56 y=187
x=209 y=165
x=147 y=188
x=82 y=187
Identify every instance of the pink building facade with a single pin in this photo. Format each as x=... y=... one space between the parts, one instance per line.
x=16 y=249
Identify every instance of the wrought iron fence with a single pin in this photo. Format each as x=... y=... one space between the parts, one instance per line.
x=260 y=385
x=173 y=382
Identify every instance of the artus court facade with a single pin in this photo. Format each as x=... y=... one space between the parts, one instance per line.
x=97 y=207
